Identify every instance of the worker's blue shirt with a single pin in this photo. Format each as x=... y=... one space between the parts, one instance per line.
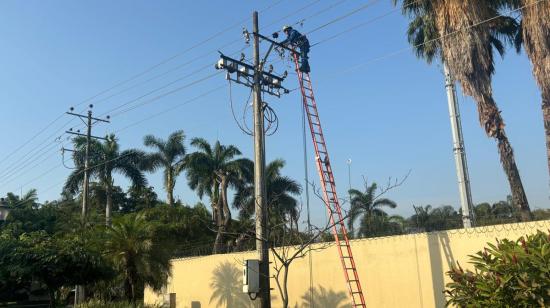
x=292 y=38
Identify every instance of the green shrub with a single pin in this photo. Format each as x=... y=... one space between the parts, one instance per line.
x=508 y=274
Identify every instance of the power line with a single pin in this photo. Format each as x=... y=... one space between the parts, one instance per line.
x=23 y=161
x=223 y=46
x=151 y=68
x=355 y=11
x=167 y=93
x=22 y=170
x=32 y=138
x=15 y=164
x=171 y=108
x=147 y=70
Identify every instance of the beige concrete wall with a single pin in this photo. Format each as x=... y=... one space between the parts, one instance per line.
x=397 y=271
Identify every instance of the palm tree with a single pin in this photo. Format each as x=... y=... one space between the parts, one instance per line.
x=281 y=195
x=28 y=200
x=421 y=218
x=367 y=204
x=211 y=170
x=170 y=156
x=456 y=32
x=534 y=35
x=106 y=159
x=131 y=247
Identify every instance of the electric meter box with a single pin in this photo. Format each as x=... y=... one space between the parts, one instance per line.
x=251 y=276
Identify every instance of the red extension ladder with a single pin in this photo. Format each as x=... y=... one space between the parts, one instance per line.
x=329 y=189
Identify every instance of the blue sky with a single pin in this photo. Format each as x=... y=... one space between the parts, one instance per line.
x=389 y=115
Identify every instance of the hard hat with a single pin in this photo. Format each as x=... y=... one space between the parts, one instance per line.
x=286 y=28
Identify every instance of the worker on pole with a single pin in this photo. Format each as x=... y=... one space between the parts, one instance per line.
x=296 y=39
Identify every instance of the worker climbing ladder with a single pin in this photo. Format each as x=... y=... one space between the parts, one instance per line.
x=329 y=188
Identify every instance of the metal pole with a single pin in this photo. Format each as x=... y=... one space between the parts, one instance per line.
x=349 y=188
x=459 y=152
x=259 y=170
x=306 y=183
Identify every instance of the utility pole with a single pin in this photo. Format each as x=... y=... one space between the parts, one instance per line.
x=254 y=76
x=87 y=120
x=262 y=244
x=468 y=218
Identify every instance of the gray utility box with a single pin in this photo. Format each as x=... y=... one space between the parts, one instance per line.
x=251 y=276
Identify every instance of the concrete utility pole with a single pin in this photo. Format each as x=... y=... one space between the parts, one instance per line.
x=468 y=218
x=260 y=81
x=87 y=120
x=262 y=245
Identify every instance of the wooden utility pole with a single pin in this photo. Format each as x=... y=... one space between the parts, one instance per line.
x=262 y=245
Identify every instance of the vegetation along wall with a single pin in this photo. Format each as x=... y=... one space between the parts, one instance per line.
x=396 y=271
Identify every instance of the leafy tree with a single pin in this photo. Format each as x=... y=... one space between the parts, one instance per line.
x=367 y=206
x=180 y=228
x=508 y=274
x=468 y=51
x=382 y=225
x=105 y=160
x=140 y=198
x=28 y=200
x=52 y=218
x=431 y=219
x=98 y=198
x=55 y=262
x=211 y=170
x=169 y=156
x=137 y=256
x=497 y=213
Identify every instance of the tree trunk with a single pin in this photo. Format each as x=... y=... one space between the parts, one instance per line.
x=519 y=198
x=225 y=202
x=285 y=286
x=218 y=243
x=128 y=289
x=470 y=61
x=536 y=40
x=239 y=242
x=170 y=188
x=51 y=293
x=109 y=203
x=490 y=118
